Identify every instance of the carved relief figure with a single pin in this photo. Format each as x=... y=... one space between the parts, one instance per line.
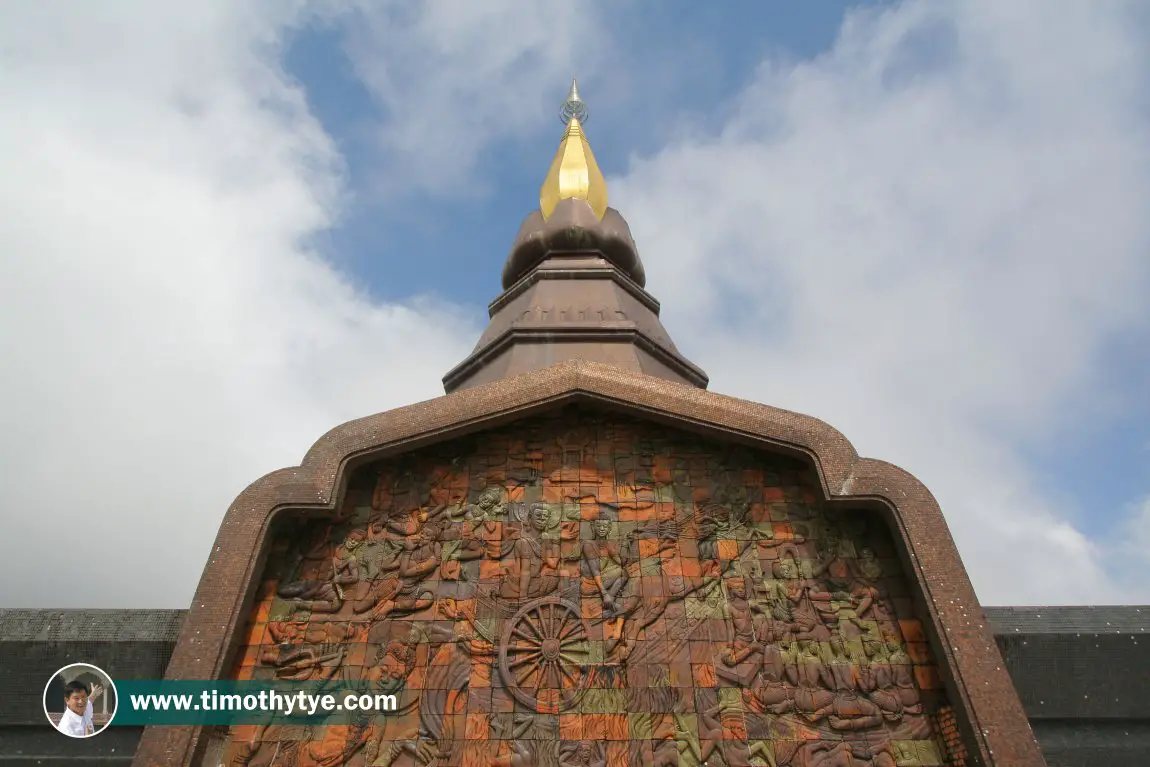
x=813 y=697
x=326 y=596
x=533 y=562
x=583 y=753
x=604 y=569
x=616 y=593
x=798 y=602
x=740 y=624
x=303 y=652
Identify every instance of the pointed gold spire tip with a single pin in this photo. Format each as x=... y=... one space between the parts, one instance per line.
x=574 y=172
x=573 y=107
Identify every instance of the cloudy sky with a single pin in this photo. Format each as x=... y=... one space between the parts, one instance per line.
x=226 y=227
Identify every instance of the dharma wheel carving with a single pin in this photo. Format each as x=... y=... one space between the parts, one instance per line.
x=544 y=654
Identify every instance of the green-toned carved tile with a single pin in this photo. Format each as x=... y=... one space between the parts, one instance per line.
x=730 y=699
x=603 y=702
x=712 y=606
x=687 y=724
x=761 y=752
x=281 y=610
x=905 y=753
x=640 y=726
x=929 y=754
x=649 y=566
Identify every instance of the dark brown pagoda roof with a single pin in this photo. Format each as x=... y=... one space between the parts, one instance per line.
x=573 y=289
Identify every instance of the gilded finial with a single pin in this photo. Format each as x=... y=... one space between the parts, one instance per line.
x=574 y=172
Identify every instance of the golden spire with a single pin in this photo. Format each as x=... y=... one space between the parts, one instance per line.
x=574 y=172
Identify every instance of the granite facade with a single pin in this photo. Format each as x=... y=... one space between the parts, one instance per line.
x=986 y=719
x=592 y=589
x=1114 y=730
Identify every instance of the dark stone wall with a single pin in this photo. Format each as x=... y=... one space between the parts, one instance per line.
x=29 y=745
x=34 y=644
x=1081 y=673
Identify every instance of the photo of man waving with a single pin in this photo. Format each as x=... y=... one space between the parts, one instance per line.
x=76 y=721
x=80 y=700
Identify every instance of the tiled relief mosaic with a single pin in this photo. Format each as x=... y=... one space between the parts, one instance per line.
x=591 y=590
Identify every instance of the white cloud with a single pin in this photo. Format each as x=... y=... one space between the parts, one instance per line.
x=927 y=237
x=454 y=76
x=1131 y=546
x=168 y=335
x=924 y=237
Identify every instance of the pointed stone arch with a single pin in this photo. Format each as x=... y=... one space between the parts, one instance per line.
x=990 y=720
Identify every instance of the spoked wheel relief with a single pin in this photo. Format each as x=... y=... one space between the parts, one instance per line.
x=544 y=653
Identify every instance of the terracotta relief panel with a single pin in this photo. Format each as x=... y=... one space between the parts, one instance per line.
x=586 y=589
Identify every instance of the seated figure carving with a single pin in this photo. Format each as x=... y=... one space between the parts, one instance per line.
x=327 y=596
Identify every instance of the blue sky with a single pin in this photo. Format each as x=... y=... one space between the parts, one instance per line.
x=707 y=53
x=230 y=227
x=1102 y=471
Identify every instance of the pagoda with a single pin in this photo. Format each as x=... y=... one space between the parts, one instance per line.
x=580 y=556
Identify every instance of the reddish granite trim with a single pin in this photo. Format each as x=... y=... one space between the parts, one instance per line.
x=987 y=707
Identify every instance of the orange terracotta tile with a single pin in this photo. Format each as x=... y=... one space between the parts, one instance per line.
x=480 y=675
x=773 y=494
x=254 y=633
x=476 y=754
x=477 y=726
x=648 y=547
x=594 y=726
x=571 y=727
x=912 y=630
x=734 y=728
x=919 y=652
x=927 y=677
x=456 y=701
x=490 y=570
x=548 y=701
x=401 y=726
x=617 y=727
x=617 y=755
x=703 y=674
